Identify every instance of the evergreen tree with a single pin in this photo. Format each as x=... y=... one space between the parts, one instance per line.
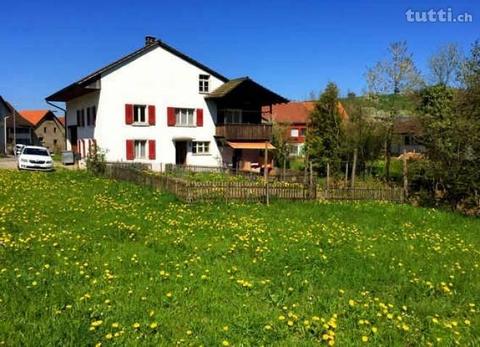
x=324 y=134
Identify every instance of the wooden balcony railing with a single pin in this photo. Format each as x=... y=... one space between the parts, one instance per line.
x=244 y=131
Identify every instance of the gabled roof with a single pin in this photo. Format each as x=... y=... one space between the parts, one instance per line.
x=408 y=125
x=5 y=104
x=34 y=116
x=81 y=86
x=245 y=82
x=296 y=112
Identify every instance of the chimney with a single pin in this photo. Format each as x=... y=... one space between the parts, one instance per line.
x=150 y=40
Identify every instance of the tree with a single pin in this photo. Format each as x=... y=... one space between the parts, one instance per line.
x=444 y=65
x=280 y=141
x=395 y=75
x=324 y=136
x=451 y=121
x=363 y=133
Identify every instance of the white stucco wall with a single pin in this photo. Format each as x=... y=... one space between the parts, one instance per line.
x=157 y=78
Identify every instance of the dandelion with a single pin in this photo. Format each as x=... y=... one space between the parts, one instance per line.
x=281 y=317
x=136 y=325
x=364 y=338
x=290 y=323
x=153 y=325
x=96 y=323
x=189 y=332
x=225 y=343
x=109 y=336
x=225 y=328
x=115 y=325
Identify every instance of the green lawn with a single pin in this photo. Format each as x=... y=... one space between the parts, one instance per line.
x=85 y=260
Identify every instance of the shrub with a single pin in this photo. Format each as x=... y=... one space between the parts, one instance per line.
x=96 y=160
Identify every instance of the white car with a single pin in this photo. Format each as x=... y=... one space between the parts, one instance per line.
x=35 y=158
x=18 y=149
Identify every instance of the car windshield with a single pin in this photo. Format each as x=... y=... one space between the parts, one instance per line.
x=36 y=151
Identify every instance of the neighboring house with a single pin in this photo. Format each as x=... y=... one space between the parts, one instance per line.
x=10 y=118
x=46 y=129
x=295 y=115
x=159 y=106
x=4 y=113
x=407 y=133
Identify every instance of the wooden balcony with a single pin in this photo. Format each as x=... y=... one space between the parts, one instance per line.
x=244 y=131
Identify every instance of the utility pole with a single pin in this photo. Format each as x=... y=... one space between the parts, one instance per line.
x=14 y=133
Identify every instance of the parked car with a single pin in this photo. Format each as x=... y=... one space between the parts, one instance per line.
x=18 y=149
x=35 y=158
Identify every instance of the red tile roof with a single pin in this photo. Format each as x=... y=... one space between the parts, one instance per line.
x=61 y=120
x=296 y=112
x=34 y=116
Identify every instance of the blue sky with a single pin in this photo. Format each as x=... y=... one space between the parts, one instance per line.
x=292 y=47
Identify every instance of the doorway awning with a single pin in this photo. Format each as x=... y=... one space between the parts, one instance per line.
x=249 y=145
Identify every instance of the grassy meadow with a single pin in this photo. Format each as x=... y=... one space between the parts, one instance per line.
x=85 y=261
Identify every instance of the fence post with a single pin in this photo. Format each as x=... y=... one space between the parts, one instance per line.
x=354 y=167
x=310 y=185
x=405 y=175
x=346 y=175
x=328 y=179
x=265 y=172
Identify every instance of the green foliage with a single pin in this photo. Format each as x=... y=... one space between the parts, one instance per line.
x=96 y=163
x=280 y=141
x=452 y=137
x=86 y=260
x=362 y=132
x=325 y=134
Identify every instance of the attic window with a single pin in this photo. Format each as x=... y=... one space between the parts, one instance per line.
x=203 y=83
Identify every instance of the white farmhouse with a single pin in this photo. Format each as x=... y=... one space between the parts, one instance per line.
x=159 y=106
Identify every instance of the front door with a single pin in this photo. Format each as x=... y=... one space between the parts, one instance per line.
x=180 y=152
x=73 y=137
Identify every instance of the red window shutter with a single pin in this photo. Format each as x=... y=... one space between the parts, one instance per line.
x=130 y=155
x=171 y=116
x=128 y=114
x=151 y=114
x=151 y=149
x=199 y=117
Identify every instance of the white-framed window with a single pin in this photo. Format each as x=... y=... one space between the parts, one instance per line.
x=139 y=114
x=232 y=116
x=140 y=148
x=200 y=147
x=294 y=132
x=203 y=83
x=185 y=117
x=293 y=150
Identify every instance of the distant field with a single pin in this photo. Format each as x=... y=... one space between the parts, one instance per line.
x=87 y=261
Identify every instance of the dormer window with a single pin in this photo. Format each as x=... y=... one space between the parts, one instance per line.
x=203 y=83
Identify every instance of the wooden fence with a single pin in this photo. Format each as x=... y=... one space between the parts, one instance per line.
x=277 y=175
x=252 y=191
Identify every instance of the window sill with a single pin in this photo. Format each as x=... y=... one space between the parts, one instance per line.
x=201 y=154
x=140 y=124
x=185 y=126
